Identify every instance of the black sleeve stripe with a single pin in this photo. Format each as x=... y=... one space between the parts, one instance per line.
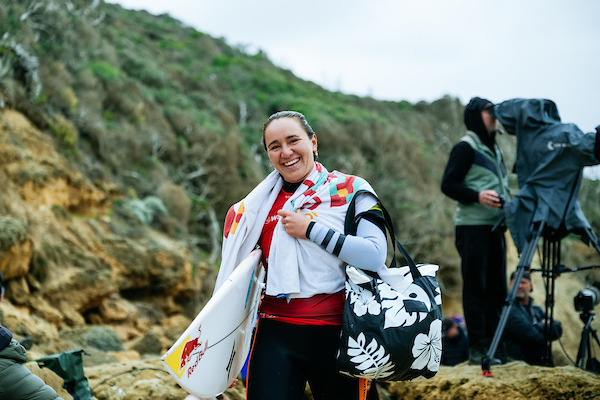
x=309 y=229
x=338 y=245
x=327 y=238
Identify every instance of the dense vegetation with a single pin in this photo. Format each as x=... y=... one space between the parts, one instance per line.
x=173 y=118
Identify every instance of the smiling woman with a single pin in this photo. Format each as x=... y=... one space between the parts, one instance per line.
x=296 y=215
x=291 y=145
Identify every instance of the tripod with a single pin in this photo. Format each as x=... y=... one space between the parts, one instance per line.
x=551 y=269
x=584 y=354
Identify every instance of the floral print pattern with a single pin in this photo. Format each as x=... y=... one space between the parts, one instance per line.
x=413 y=314
x=395 y=304
x=371 y=359
x=427 y=349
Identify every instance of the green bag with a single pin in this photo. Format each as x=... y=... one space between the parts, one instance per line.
x=69 y=366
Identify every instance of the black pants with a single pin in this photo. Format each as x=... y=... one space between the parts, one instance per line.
x=284 y=357
x=483 y=255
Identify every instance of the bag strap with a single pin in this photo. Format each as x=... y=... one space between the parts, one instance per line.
x=351 y=223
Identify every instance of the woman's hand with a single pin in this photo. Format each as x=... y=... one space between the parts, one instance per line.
x=295 y=224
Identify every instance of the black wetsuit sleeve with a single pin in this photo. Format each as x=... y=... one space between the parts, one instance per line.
x=460 y=161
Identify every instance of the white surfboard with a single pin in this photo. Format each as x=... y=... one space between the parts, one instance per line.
x=211 y=352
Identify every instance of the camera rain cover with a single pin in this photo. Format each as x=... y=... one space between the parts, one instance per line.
x=551 y=156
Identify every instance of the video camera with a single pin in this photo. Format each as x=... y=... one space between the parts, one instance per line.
x=587 y=299
x=551 y=156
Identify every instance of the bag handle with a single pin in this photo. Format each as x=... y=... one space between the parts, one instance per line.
x=351 y=223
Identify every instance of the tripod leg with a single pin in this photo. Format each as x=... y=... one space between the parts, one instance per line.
x=585 y=345
x=524 y=262
x=592 y=363
x=595 y=335
x=585 y=357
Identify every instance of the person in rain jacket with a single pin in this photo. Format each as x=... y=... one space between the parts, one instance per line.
x=17 y=382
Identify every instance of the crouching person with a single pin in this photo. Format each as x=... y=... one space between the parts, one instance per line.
x=524 y=334
x=17 y=382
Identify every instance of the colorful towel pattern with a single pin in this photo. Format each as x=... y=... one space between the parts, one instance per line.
x=324 y=196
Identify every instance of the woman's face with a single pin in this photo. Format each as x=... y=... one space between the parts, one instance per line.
x=290 y=149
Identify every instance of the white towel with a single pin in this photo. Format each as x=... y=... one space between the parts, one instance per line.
x=322 y=194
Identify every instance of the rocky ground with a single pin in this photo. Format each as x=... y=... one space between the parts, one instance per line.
x=146 y=379
x=515 y=380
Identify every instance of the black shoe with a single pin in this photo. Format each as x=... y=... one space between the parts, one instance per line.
x=27 y=342
x=478 y=352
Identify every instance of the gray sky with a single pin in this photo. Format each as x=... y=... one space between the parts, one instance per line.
x=419 y=50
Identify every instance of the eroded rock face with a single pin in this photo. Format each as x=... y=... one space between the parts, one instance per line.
x=15 y=248
x=67 y=260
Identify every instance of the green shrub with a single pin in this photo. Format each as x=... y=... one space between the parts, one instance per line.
x=103 y=70
x=66 y=132
x=145 y=210
x=167 y=44
x=12 y=232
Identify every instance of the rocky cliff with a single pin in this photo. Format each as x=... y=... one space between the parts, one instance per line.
x=70 y=261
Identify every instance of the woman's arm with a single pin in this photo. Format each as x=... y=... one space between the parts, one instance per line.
x=367 y=250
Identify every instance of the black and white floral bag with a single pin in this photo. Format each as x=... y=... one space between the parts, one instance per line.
x=392 y=328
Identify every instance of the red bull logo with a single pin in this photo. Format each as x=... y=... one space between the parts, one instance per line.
x=192 y=348
x=232 y=219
